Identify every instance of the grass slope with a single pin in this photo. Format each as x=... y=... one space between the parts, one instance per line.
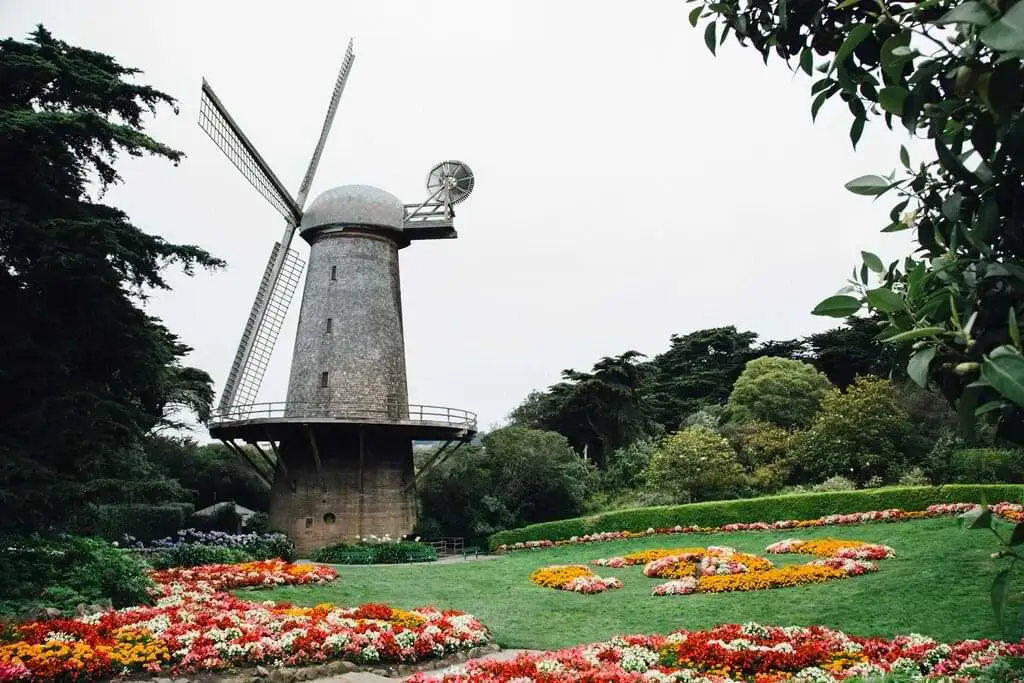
x=937 y=586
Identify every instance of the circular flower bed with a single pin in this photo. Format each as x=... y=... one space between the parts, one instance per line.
x=573 y=577
x=748 y=652
x=720 y=569
x=195 y=626
x=832 y=547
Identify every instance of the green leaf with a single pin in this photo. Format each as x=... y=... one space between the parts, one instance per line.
x=709 y=36
x=1000 y=590
x=970 y=12
x=1017 y=536
x=904 y=157
x=870 y=185
x=986 y=225
x=695 y=15
x=894 y=54
x=872 y=261
x=977 y=518
x=816 y=104
x=1007 y=34
x=886 y=300
x=952 y=164
x=857 y=129
x=916 y=333
x=967 y=414
x=856 y=36
x=839 y=306
x=1014 y=328
x=1005 y=372
x=892 y=99
x=807 y=61
x=918 y=365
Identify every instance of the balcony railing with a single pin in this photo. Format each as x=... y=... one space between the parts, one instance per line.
x=321 y=410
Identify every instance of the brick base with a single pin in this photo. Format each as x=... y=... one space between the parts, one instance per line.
x=350 y=496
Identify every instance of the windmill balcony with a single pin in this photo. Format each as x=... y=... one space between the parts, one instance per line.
x=345 y=412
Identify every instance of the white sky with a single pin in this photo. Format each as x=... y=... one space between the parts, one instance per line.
x=629 y=185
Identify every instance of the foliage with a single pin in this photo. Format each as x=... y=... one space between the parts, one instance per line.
x=197 y=555
x=780 y=391
x=93 y=372
x=64 y=572
x=599 y=411
x=1009 y=554
x=697 y=371
x=626 y=466
x=519 y=476
x=852 y=351
x=988 y=465
x=393 y=552
x=145 y=522
x=769 y=508
x=915 y=476
x=836 y=483
x=860 y=434
x=694 y=464
x=759 y=444
x=948 y=71
x=710 y=416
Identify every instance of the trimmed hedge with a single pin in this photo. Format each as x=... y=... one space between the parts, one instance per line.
x=767 y=509
x=144 y=522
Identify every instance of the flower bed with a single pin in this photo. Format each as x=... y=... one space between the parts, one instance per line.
x=831 y=547
x=573 y=577
x=1011 y=512
x=742 y=652
x=195 y=626
x=720 y=569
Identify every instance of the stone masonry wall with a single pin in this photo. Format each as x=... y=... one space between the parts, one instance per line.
x=349 y=508
x=362 y=349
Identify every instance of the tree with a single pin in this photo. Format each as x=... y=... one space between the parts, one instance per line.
x=89 y=372
x=598 y=411
x=853 y=350
x=697 y=370
x=958 y=299
x=860 y=435
x=780 y=391
x=695 y=464
x=520 y=476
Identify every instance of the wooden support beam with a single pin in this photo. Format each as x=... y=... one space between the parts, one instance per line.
x=292 y=484
x=362 y=456
x=316 y=457
x=433 y=461
x=233 y=447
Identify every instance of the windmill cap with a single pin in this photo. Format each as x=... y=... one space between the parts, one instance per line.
x=355 y=205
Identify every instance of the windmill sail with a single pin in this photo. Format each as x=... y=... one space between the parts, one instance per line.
x=284 y=268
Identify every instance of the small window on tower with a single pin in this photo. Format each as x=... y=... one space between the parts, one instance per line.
x=323 y=379
x=330 y=325
x=334 y=272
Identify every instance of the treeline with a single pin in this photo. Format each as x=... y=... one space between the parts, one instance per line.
x=716 y=416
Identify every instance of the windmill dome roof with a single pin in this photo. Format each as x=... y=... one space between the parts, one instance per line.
x=355 y=205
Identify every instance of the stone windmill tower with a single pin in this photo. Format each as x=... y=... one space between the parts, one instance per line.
x=340 y=445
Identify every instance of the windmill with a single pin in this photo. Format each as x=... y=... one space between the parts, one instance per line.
x=341 y=443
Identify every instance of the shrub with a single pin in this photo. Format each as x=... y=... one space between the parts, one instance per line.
x=66 y=571
x=626 y=466
x=780 y=391
x=987 y=465
x=915 y=476
x=144 y=522
x=836 y=483
x=767 y=509
x=196 y=555
x=860 y=434
x=388 y=552
x=761 y=443
x=694 y=464
x=249 y=546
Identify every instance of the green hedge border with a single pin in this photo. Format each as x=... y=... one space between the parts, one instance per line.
x=767 y=509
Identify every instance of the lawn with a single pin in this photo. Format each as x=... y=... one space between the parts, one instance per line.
x=937 y=586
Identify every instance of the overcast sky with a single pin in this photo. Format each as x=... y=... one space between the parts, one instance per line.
x=629 y=185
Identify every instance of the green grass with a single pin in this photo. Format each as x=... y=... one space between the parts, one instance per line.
x=937 y=586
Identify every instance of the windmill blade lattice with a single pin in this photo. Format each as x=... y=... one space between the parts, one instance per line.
x=225 y=133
